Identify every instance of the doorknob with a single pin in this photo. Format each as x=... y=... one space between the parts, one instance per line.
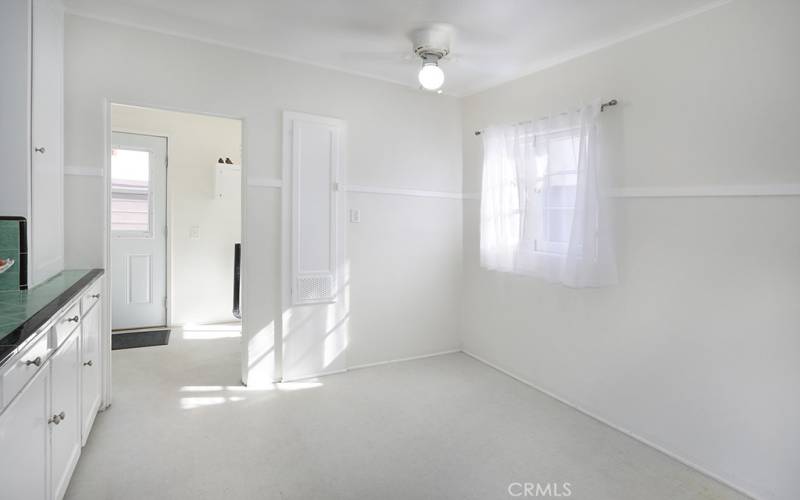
x=88 y=363
x=39 y=149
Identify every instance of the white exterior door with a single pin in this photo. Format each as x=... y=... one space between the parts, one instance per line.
x=138 y=231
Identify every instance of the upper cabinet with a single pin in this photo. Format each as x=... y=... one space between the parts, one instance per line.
x=31 y=127
x=47 y=137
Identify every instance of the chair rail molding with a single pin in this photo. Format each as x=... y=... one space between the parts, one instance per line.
x=83 y=171
x=708 y=191
x=356 y=188
x=697 y=191
x=266 y=182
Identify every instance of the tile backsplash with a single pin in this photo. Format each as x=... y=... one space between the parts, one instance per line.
x=13 y=245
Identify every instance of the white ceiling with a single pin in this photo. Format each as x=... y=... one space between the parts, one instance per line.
x=496 y=40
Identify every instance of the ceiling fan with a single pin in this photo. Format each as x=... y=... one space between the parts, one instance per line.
x=432 y=44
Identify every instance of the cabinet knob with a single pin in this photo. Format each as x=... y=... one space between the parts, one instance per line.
x=39 y=149
x=95 y=295
x=57 y=419
x=88 y=363
x=74 y=319
x=37 y=361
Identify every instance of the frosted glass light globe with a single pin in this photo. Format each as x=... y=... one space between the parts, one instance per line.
x=431 y=76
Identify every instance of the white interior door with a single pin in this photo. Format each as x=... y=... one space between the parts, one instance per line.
x=138 y=231
x=316 y=305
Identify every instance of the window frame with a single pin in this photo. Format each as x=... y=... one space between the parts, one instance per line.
x=133 y=234
x=538 y=244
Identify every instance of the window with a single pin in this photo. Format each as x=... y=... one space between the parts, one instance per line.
x=543 y=212
x=551 y=192
x=130 y=192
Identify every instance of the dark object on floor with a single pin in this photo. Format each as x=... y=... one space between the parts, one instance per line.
x=148 y=338
x=237 y=266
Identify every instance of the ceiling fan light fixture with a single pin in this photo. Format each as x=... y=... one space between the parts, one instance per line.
x=431 y=76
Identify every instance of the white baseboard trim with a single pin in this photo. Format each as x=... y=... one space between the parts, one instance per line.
x=401 y=360
x=84 y=171
x=370 y=365
x=312 y=375
x=628 y=433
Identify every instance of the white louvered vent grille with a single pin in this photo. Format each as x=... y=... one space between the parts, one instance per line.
x=314 y=288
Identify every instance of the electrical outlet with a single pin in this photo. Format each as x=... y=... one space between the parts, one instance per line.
x=194 y=232
x=355 y=216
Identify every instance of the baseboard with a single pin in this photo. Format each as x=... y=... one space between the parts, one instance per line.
x=369 y=365
x=311 y=375
x=400 y=360
x=628 y=433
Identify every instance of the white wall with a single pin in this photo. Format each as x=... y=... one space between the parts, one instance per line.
x=397 y=137
x=697 y=350
x=201 y=269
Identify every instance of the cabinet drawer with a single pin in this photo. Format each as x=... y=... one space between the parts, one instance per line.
x=21 y=369
x=91 y=296
x=66 y=323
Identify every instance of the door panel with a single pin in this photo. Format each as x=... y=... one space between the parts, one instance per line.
x=139 y=277
x=24 y=436
x=138 y=230
x=47 y=172
x=66 y=428
x=315 y=327
x=90 y=368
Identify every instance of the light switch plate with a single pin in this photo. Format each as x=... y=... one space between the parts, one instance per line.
x=355 y=216
x=194 y=232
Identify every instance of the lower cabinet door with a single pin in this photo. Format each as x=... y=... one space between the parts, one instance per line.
x=65 y=418
x=90 y=368
x=24 y=437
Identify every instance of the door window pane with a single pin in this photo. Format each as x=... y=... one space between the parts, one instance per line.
x=130 y=191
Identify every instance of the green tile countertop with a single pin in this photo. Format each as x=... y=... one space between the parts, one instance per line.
x=24 y=311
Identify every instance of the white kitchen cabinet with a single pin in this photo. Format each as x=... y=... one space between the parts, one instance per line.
x=91 y=383
x=49 y=396
x=25 y=436
x=65 y=418
x=47 y=161
x=31 y=127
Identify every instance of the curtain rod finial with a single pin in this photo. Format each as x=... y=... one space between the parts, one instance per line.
x=612 y=102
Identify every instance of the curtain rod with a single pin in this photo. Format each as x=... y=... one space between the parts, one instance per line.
x=612 y=102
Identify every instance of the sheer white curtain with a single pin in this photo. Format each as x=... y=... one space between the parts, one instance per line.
x=502 y=199
x=543 y=212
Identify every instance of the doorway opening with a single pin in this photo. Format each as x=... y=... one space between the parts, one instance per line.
x=175 y=223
